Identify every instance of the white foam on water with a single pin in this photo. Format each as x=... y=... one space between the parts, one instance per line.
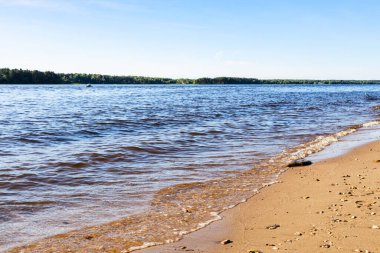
x=145 y=245
x=204 y=224
x=372 y=123
x=320 y=143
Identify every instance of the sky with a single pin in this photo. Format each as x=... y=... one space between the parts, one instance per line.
x=298 y=39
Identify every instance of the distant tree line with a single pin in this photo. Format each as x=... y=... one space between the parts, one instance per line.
x=19 y=76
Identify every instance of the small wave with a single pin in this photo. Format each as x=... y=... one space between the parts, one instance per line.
x=248 y=105
x=75 y=165
x=319 y=143
x=215 y=132
x=145 y=245
x=108 y=158
x=28 y=140
x=372 y=123
x=22 y=185
x=30 y=203
x=88 y=132
x=370 y=97
x=107 y=123
x=313 y=108
x=145 y=150
x=116 y=122
x=197 y=134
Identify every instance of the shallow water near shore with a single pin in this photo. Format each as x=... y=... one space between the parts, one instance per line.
x=72 y=156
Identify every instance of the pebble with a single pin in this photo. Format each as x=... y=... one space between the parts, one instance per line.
x=274 y=226
x=298 y=233
x=375 y=227
x=224 y=242
x=299 y=162
x=326 y=244
x=336 y=220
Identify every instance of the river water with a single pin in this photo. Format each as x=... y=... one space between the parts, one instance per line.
x=72 y=156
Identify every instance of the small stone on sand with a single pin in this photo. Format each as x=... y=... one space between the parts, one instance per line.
x=271 y=227
x=299 y=162
x=224 y=242
x=89 y=237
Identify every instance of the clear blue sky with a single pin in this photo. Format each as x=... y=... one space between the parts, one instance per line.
x=323 y=39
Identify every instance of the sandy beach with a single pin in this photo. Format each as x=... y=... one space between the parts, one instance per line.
x=330 y=206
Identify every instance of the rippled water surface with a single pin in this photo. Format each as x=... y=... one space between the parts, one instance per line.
x=72 y=156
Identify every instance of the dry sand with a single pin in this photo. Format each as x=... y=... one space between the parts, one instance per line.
x=331 y=206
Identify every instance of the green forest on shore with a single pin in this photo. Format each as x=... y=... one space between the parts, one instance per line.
x=20 y=76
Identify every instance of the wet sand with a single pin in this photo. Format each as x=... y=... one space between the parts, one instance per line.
x=330 y=206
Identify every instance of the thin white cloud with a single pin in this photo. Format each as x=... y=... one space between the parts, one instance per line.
x=219 y=55
x=22 y=2
x=84 y=7
x=233 y=58
x=117 y=5
x=41 y=4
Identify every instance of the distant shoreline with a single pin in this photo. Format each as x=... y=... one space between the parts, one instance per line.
x=20 y=76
